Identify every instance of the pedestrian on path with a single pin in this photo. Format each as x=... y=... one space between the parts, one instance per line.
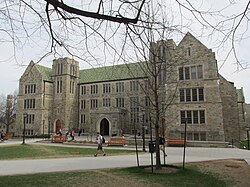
x=2 y=135
x=99 y=146
x=72 y=134
x=162 y=143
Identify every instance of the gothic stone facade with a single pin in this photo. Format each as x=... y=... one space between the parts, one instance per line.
x=114 y=100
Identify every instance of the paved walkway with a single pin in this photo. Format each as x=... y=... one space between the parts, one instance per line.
x=175 y=155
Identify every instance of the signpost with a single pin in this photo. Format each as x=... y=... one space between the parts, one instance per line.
x=184 y=148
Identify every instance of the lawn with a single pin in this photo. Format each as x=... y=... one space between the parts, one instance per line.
x=122 y=177
x=244 y=144
x=132 y=177
x=40 y=151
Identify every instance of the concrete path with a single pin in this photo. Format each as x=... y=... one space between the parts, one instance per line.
x=175 y=155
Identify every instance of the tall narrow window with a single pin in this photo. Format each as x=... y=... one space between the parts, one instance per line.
x=195 y=117
x=194 y=94
x=188 y=95
x=202 y=116
x=189 y=51
x=146 y=85
x=57 y=86
x=183 y=117
x=61 y=68
x=106 y=102
x=83 y=90
x=201 y=94
x=94 y=89
x=193 y=72
x=181 y=75
x=147 y=101
x=83 y=104
x=93 y=103
x=189 y=117
x=199 y=72
x=61 y=85
x=120 y=102
x=134 y=85
x=58 y=69
x=134 y=109
x=182 y=95
x=106 y=88
x=187 y=73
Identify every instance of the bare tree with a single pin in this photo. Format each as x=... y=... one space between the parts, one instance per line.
x=158 y=67
x=81 y=28
x=227 y=24
x=8 y=110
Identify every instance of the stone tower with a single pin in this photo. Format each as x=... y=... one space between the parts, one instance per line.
x=65 y=75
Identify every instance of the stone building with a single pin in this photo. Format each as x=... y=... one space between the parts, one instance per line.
x=114 y=100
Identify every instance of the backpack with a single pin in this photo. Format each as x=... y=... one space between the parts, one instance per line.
x=162 y=141
x=103 y=140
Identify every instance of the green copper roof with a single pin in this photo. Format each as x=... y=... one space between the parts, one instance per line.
x=110 y=73
x=45 y=72
x=107 y=73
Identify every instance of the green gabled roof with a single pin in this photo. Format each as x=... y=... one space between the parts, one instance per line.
x=101 y=74
x=110 y=73
x=45 y=72
x=240 y=96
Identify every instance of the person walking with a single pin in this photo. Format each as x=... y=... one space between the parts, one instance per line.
x=2 y=135
x=162 y=145
x=73 y=135
x=99 y=146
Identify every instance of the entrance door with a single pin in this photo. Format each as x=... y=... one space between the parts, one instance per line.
x=104 y=127
x=58 y=125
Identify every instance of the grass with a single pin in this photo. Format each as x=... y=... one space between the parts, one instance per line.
x=244 y=144
x=40 y=151
x=189 y=177
x=124 y=177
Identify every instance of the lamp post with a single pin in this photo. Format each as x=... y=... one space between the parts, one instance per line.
x=151 y=140
x=25 y=115
x=143 y=130
x=248 y=129
x=248 y=147
x=163 y=122
x=185 y=137
x=43 y=128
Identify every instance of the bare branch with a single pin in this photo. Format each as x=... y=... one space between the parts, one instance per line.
x=119 y=18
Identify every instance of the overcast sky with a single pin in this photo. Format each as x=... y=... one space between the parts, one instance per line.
x=10 y=71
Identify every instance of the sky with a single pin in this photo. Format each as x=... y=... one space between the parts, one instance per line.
x=11 y=68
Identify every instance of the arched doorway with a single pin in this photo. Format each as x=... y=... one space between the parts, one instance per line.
x=104 y=127
x=58 y=125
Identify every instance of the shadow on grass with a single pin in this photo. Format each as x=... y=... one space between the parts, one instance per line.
x=175 y=176
x=134 y=176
